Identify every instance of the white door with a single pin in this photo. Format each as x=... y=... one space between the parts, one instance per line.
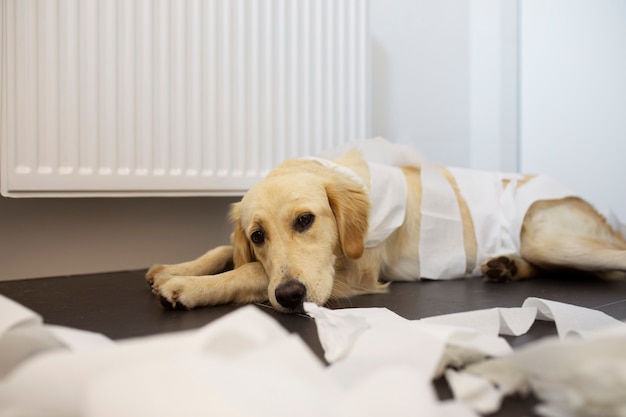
x=573 y=96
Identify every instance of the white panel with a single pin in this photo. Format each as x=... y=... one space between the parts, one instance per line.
x=421 y=77
x=141 y=97
x=493 y=84
x=573 y=96
x=68 y=88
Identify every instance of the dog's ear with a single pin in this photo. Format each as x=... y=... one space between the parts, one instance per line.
x=350 y=205
x=242 y=252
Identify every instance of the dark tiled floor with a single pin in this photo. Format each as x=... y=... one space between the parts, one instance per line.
x=120 y=305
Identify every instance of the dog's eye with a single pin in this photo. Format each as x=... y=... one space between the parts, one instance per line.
x=257 y=237
x=303 y=222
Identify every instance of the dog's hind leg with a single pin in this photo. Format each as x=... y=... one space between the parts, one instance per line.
x=570 y=234
x=591 y=254
x=562 y=234
x=604 y=259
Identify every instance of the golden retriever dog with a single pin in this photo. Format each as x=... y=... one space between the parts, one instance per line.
x=299 y=235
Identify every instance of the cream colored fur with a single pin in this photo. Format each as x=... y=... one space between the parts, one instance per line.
x=327 y=257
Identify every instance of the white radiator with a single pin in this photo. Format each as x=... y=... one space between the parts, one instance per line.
x=158 y=97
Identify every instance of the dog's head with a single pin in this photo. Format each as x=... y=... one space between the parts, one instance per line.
x=296 y=223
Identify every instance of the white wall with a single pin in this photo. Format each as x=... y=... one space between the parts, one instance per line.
x=420 y=75
x=573 y=96
x=532 y=86
x=493 y=95
x=445 y=79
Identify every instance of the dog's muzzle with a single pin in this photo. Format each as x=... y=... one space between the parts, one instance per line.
x=291 y=295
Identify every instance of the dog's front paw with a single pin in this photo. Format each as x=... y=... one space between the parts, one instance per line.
x=500 y=269
x=172 y=292
x=154 y=271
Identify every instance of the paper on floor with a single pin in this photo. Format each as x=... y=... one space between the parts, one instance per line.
x=573 y=377
x=467 y=339
x=378 y=337
x=484 y=396
x=244 y=364
x=493 y=321
x=14 y=315
x=35 y=386
x=571 y=320
x=339 y=329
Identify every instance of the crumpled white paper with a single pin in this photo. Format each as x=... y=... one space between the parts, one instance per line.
x=570 y=320
x=571 y=384
x=95 y=382
x=574 y=377
x=582 y=372
x=513 y=321
x=244 y=364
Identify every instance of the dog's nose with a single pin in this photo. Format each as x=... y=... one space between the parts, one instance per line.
x=291 y=294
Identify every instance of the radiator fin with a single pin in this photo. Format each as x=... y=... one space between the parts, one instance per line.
x=153 y=97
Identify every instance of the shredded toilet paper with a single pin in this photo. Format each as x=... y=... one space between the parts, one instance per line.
x=572 y=377
x=570 y=320
x=246 y=364
x=493 y=321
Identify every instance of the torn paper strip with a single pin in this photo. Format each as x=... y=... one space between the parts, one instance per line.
x=34 y=388
x=512 y=321
x=570 y=319
x=13 y=315
x=242 y=365
x=468 y=339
